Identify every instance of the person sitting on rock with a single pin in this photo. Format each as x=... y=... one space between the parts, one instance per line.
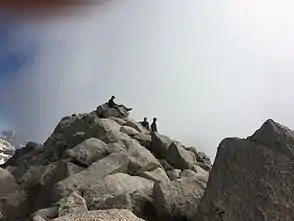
x=153 y=125
x=112 y=104
x=145 y=123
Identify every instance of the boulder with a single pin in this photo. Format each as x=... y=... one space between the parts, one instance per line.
x=105 y=111
x=141 y=159
x=73 y=204
x=13 y=199
x=108 y=131
x=200 y=174
x=45 y=214
x=202 y=159
x=11 y=169
x=159 y=145
x=129 y=130
x=143 y=139
x=102 y=215
x=88 y=151
x=173 y=152
x=38 y=181
x=7 y=182
x=252 y=179
x=113 y=163
x=178 y=200
x=21 y=154
x=140 y=203
x=135 y=125
x=112 y=186
x=173 y=174
x=24 y=158
x=157 y=175
x=179 y=157
x=188 y=173
x=71 y=131
x=120 y=121
x=166 y=166
x=115 y=148
x=48 y=175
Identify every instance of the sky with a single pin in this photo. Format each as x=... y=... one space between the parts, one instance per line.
x=206 y=69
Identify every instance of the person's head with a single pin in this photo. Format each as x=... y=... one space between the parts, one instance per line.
x=145 y=118
x=154 y=119
x=112 y=97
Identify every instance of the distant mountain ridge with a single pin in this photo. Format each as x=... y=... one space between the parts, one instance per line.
x=7 y=148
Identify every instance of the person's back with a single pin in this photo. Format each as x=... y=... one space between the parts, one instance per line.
x=145 y=123
x=153 y=125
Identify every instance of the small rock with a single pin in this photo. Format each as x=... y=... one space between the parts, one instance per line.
x=178 y=200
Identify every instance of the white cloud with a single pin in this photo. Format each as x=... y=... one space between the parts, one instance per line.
x=207 y=70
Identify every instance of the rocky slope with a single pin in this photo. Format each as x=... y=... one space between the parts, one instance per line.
x=99 y=167
x=103 y=166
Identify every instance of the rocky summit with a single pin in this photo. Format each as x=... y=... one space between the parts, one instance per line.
x=105 y=166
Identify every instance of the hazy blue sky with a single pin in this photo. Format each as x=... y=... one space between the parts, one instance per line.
x=206 y=69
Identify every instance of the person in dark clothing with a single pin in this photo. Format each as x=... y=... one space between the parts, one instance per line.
x=145 y=123
x=112 y=104
x=153 y=125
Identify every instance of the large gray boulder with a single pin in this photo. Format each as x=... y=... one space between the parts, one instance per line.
x=173 y=152
x=38 y=181
x=88 y=151
x=144 y=139
x=69 y=132
x=180 y=158
x=7 y=182
x=135 y=125
x=73 y=130
x=30 y=150
x=108 y=131
x=178 y=200
x=121 y=191
x=115 y=185
x=105 y=111
x=139 y=202
x=252 y=179
x=129 y=130
x=159 y=145
x=173 y=174
x=157 y=175
x=202 y=159
x=113 y=163
x=49 y=174
x=141 y=159
x=102 y=215
x=13 y=199
x=199 y=173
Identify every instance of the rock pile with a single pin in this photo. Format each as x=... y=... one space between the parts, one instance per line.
x=102 y=166
x=94 y=167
